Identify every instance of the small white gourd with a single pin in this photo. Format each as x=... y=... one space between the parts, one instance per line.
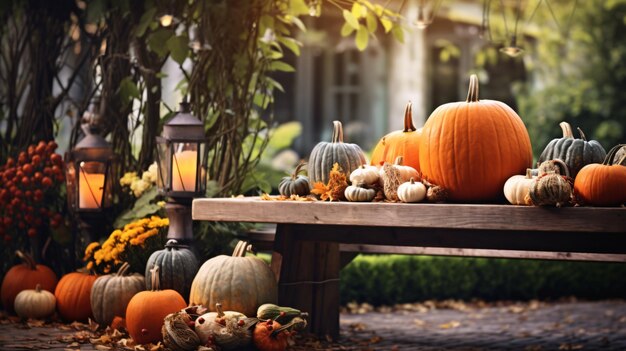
x=411 y=191
x=365 y=174
x=516 y=188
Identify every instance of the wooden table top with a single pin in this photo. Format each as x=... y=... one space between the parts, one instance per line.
x=423 y=215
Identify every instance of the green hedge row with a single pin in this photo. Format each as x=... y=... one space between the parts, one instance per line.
x=391 y=279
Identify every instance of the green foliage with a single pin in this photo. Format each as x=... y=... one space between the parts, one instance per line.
x=144 y=206
x=391 y=279
x=581 y=78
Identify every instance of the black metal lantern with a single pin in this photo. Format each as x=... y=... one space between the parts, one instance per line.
x=181 y=170
x=89 y=169
x=181 y=157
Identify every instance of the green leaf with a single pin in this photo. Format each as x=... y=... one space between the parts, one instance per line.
x=358 y=10
x=298 y=7
x=387 y=24
x=281 y=66
x=372 y=25
x=298 y=22
x=157 y=41
x=274 y=83
x=398 y=33
x=179 y=48
x=145 y=198
x=145 y=21
x=346 y=29
x=128 y=90
x=284 y=135
x=350 y=19
x=291 y=43
x=362 y=36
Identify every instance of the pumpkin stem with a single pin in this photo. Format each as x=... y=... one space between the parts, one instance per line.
x=567 y=130
x=220 y=310
x=240 y=249
x=337 y=132
x=38 y=288
x=562 y=166
x=26 y=259
x=408 y=118
x=123 y=269
x=611 y=155
x=582 y=135
x=154 y=278
x=298 y=170
x=529 y=173
x=412 y=180
x=472 y=94
x=399 y=161
x=171 y=243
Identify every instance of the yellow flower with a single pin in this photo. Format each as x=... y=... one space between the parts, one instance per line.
x=128 y=178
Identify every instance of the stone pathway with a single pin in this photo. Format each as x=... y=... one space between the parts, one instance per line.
x=450 y=325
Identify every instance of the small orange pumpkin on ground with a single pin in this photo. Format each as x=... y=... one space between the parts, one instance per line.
x=269 y=335
x=73 y=296
x=471 y=148
x=25 y=276
x=602 y=184
x=403 y=143
x=147 y=310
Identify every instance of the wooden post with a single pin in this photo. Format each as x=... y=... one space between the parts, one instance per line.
x=308 y=278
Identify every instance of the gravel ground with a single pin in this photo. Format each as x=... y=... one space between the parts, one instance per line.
x=448 y=325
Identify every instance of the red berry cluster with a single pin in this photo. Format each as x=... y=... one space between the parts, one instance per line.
x=24 y=184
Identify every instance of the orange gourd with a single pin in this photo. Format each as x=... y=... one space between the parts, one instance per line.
x=602 y=184
x=471 y=148
x=147 y=310
x=403 y=143
x=73 y=296
x=25 y=276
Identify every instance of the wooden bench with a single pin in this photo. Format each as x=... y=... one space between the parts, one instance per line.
x=306 y=250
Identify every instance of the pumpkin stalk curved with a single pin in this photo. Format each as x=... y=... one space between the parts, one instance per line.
x=26 y=259
x=123 y=269
x=298 y=169
x=408 y=118
x=567 y=130
x=611 y=155
x=472 y=93
x=582 y=135
x=154 y=278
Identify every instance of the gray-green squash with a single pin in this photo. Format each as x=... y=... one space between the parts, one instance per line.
x=358 y=193
x=295 y=184
x=326 y=154
x=178 y=266
x=576 y=153
x=111 y=293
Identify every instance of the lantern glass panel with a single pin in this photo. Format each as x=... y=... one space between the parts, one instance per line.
x=163 y=164
x=70 y=179
x=91 y=184
x=185 y=167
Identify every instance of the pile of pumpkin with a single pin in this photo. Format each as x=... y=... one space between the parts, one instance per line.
x=466 y=152
x=152 y=306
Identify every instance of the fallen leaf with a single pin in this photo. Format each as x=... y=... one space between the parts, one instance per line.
x=419 y=322
x=570 y=346
x=450 y=325
x=102 y=347
x=375 y=339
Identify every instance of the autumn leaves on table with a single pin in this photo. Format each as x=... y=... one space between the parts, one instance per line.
x=473 y=151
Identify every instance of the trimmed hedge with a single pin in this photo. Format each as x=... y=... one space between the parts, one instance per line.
x=391 y=279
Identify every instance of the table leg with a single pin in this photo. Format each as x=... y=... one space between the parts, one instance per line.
x=308 y=278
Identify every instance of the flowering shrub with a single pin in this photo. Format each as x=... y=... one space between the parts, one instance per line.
x=147 y=200
x=137 y=185
x=133 y=244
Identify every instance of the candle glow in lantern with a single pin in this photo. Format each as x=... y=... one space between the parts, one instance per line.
x=181 y=169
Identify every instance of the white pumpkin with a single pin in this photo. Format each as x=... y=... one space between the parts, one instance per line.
x=411 y=191
x=406 y=172
x=516 y=188
x=364 y=175
x=35 y=303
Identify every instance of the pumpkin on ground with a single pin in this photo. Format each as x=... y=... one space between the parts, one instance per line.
x=603 y=184
x=471 y=148
x=25 y=276
x=147 y=310
x=111 y=293
x=516 y=188
x=229 y=330
x=325 y=155
x=73 y=295
x=270 y=335
x=295 y=184
x=576 y=153
x=34 y=303
x=177 y=267
x=403 y=143
x=238 y=282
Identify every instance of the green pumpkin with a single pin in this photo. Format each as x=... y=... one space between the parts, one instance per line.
x=177 y=268
x=273 y=312
x=576 y=153
x=325 y=155
x=295 y=184
x=357 y=193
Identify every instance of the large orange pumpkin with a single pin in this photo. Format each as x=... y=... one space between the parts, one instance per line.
x=25 y=276
x=403 y=143
x=147 y=310
x=73 y=296
x=471 y=148
x=602 y=184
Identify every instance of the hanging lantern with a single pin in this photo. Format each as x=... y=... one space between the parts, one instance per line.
x=89 y=168
x=181 y=157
